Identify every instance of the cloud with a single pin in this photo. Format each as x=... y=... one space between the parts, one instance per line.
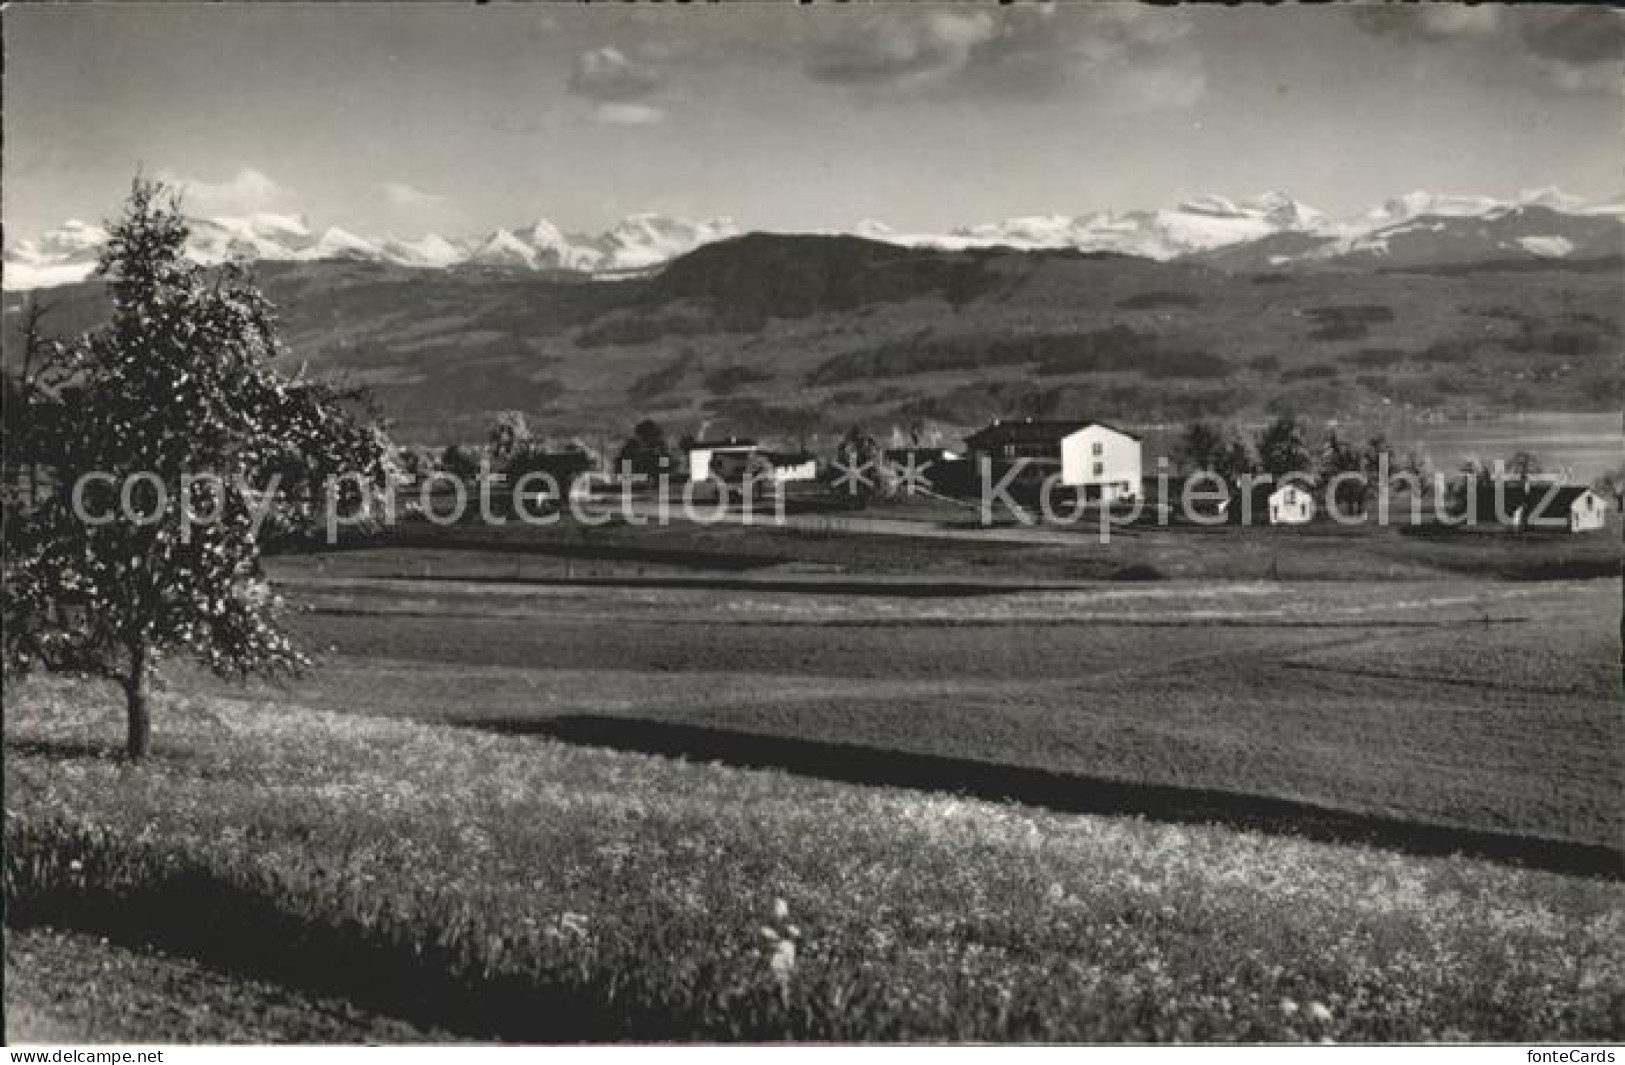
x=621 y=87
x=1436 y=21
x=628 y=114
x=1119 y=56
x=1577 y=35
x=249 y=192
x=903 y=50
x=1587 y=78
x=400 y=195
x=607 y=75
x=1170 y=86
x=1575 y=49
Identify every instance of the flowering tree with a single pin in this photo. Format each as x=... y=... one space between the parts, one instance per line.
x=169 y=443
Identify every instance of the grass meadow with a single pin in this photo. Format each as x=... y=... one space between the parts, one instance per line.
x=492 y=887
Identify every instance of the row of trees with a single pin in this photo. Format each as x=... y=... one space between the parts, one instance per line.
x=1285 y=447
x=646 y=451
x=511 y=448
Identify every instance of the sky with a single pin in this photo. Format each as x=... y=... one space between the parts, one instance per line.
x=406 y=118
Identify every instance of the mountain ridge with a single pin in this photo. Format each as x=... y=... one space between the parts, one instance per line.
x=771 y=335
x=1271 y=229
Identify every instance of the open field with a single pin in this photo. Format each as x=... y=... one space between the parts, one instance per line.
x=505 y=543
x=934 y=539
x=1489 y=707
x=727 y=783
x=501 y=886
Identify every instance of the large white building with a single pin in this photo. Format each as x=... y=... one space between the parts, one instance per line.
x=1100 y=461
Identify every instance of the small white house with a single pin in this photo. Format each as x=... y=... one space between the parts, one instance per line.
x=1541 y=505
x=1101 y=461
x=701 y=452
x=1290 y=504
x=1586 y=511
x=1270 y=504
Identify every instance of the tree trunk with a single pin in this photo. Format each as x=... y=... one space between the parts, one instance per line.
x=137 y=707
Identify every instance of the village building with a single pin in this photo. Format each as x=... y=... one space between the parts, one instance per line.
x=779 y=467
x=1540 y=505
x=1270 y=504
x=791 y=466
x=1100 y=461
x=701 y=454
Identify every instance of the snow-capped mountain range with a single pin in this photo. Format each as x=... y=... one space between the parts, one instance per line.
x=1272 y=229
x=638 y=242
x=1283 y=231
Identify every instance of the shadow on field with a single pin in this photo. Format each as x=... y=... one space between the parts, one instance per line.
x=257 y=930
x=891 y=588
x=1065 y=792
x=588 y=551
x=65 y=750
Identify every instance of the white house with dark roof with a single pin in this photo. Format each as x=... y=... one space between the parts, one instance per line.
x=1099 y=460
x=701 y=453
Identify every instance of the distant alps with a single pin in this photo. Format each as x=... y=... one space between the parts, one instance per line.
x=1268 y=230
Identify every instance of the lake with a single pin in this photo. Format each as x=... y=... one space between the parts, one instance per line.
x=1585 y=445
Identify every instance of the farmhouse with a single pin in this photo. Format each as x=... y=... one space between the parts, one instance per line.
x=1101 y=461
x=1270 y=504
x=1538 y=505
x=701 y=452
